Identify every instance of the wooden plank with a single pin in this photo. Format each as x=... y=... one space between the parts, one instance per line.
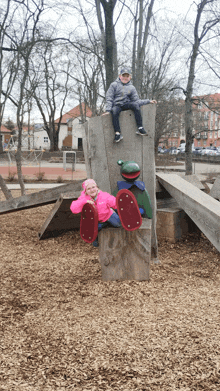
x=103 y=154
x=194 y=180
x=96 y=159
x=199 y=206
x=215 y=189
x=60 y=218
x=130 y=148
x=40 y=198
x=149 y=178
x=125 y=255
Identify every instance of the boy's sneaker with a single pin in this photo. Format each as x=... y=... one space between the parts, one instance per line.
x=118 y=137
x=142 y=132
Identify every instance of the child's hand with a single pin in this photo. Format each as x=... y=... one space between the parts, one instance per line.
x=153 y=101
x=107 y=112
x=90 y=202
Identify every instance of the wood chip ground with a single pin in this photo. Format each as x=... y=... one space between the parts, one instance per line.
x=63 y=328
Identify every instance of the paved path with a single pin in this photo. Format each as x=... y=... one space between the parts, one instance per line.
x=51 y=171
x=29 y=186
x=54 y=170
x=197 y=167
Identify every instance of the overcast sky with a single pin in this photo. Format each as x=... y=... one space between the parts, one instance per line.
x=172 y=9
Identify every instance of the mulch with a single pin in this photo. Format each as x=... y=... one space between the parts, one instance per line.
x=63 y=328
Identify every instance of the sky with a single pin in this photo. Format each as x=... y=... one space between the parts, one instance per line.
x=179 y=7
x=166 y=7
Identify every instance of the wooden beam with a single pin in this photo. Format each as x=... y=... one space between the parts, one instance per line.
x=60 y=218
x=215 y=190
x=199 y=206
x=40 y=198
x=125 y=255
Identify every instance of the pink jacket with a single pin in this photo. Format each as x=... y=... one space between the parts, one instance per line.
x=104 y=202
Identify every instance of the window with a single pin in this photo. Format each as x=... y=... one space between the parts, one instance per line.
x=46 y=139
x=216 y=134
x=211 y=121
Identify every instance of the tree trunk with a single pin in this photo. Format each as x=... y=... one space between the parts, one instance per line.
x=5 y=190
x=19 y=172
x=110 y=42
x=141 y=44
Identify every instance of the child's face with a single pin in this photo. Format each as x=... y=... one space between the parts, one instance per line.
x=125 y=78
x=92 y=190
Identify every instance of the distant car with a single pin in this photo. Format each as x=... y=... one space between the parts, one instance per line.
x=209 y=151
x=164 y=150
x=173 y=151
x=197 y=151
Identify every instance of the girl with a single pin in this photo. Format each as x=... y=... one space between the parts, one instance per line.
x=104 y=202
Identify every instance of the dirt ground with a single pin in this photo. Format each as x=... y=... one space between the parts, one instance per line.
x=63 y=328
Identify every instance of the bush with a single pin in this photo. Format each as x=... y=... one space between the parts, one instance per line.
x=39 y=175
x=59 y=179
x=11 y=176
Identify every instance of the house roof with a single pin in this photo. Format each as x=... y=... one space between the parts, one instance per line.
x=75 y=113
x=5 y=130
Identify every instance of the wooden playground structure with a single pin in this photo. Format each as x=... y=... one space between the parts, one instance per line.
x=125 y=256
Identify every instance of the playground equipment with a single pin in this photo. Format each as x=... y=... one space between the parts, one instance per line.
x=123 y=254
x=200 y=207
x=215 y=190
x=71 y=159
x=29 y=156
x=41 y=198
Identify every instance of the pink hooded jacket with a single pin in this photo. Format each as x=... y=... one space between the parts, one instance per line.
x=104 y=202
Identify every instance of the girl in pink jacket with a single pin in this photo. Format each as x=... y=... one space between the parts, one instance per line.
x=104 y=202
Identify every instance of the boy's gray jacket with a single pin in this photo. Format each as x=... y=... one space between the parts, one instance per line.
x=119 y=94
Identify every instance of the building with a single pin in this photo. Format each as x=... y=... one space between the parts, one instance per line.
x=71 y=127
x=206 y=122
x=5 y=135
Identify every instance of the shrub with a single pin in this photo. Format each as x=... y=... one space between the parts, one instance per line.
x=11 y=176
x=59 y=179
x=39 y=175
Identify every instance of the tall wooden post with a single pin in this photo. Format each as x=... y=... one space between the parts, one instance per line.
x=101 y=154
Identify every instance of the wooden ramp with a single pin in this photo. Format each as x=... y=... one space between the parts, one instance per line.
x=60 y=218
x=40 y=198
x=200 y=207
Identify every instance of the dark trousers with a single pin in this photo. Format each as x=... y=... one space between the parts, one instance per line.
x=116 y=110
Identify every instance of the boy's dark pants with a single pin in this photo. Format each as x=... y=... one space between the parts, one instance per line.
x=116 y=110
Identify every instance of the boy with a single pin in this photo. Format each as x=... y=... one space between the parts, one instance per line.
x=122 y=95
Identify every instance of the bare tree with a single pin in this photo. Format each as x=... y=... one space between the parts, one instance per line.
x=89 y=77
x=108 y=38
x=8 y=56
x=50 y=87
x=141 y=32
x=201 y=30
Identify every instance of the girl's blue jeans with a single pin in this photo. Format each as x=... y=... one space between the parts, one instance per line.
x=113 y=220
